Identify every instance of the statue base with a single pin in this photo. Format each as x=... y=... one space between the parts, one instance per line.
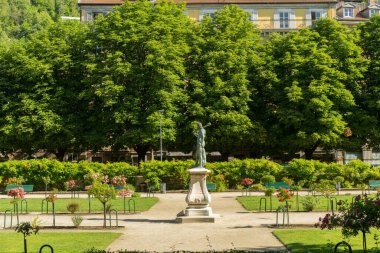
x=198 y=199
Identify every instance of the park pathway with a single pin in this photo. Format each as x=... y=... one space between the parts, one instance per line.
x=156 y=230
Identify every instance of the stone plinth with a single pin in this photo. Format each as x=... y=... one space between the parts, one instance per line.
x=198 y=199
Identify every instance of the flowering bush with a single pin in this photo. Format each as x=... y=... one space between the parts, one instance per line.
x=358 y=217
x=125 y=193
x=118 y=181
x=71 y=184
x=246 y=181
x=14 y=180
x=90 y=178
x=284 y=195
x=51 y=198
x=17 y=193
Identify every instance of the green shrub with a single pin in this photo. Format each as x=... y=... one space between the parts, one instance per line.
x=309 y=203
x=300 y=169
x=173 y=173
x=72 y=207
x=136 y=195
x=77 y=220
x=34 y=171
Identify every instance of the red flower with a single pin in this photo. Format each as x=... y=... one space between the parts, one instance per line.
x=16 y=193
x=247 y=181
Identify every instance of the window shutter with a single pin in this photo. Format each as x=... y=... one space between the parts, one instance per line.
x=276 y=19
x=201 y=16
x=292 y=23
x=308 y=18
x=255 y=17
x=323 y=14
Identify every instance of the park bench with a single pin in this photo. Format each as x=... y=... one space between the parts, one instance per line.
x=26 y=187
x=277 y=185
x=211 y=186
x=374 y=184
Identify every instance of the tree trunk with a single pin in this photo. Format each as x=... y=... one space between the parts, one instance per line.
x=60 y=153
x=309 y=151
x=25 y=247
x=225 y=156
x=104 y=215
x=364 y=242
x=141 y=152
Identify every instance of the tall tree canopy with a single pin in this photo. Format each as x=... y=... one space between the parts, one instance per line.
x=217 y=78
x=137 y=73
x=40 y=86
x=304 y=98
x=368 y=119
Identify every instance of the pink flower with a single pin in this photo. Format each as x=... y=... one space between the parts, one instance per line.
x=247 y=181
x=17 y=193
x=71 y=184
x=118 y=181
x=87 y=187
x=125 y=193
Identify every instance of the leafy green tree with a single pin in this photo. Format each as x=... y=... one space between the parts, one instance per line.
x=367 y=120
x=343 y=45
x=40 y=105
x=304 y=97
x=137 y=74
x=104 y=193
x=217 y=78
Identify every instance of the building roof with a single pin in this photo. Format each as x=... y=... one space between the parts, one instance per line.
x=100 y=2
x=117 y=2
x=255 y=1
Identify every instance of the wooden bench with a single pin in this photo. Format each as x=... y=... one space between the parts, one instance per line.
x=277 y=185
x=374 y=184
x=211 y=186
x=26 y=187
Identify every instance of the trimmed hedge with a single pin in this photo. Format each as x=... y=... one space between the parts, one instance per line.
x=226 y=175
x=33 y=171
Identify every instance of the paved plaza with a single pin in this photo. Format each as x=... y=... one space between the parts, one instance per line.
x=156 y=230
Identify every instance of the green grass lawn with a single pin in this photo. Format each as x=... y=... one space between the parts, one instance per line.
x=34 y=205
x=252 y=203
x=62 y=242
x=317 y=240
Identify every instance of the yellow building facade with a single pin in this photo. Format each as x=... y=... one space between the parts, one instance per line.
x=270 y=16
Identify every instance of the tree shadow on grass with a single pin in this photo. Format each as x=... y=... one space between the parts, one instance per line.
x=315 y=248
x=138 y=220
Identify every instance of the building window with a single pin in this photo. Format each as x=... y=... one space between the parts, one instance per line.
x=373 y=12
x=284 y=19
x=348 y=12
x=205 y=13
x=315 y=15
x=89 y=17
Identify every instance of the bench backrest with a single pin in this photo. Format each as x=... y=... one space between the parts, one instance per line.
x=277 y=185
x=211 y=186
x=26 y=187
x=374 y=183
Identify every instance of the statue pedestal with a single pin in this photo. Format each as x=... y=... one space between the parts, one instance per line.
x=198 y=199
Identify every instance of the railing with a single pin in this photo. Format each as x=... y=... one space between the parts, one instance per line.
x=5 y=217
x=110 y=217
x=26 y=206
x=265 y=204
x=46 y=246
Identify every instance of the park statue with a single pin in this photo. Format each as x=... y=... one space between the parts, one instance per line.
x=198 y=198
x=200 y=154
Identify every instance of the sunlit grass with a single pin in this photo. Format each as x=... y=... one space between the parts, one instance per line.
x=320 y=241
x=62 y=242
